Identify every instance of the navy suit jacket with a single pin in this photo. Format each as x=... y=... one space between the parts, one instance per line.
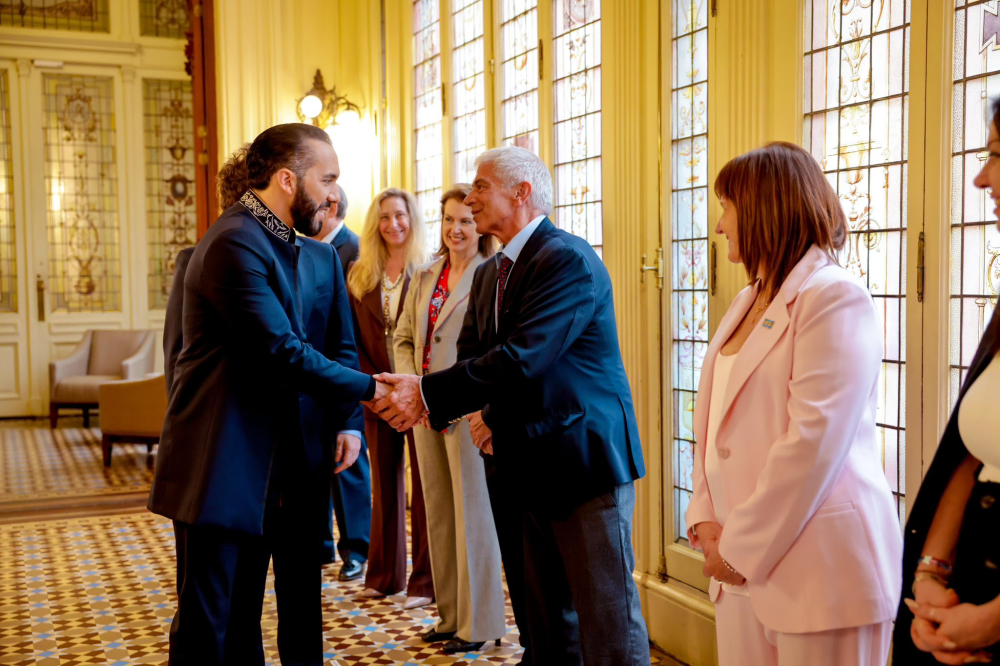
x=329 y=330
x=559 y=403
x=347 y=246
x=173 y=336
x=235 y=394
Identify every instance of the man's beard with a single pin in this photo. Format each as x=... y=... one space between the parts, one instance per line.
x=304 y=210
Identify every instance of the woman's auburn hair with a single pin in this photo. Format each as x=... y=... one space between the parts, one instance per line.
x=784 y=205
x=366 y=272
x=458 y=192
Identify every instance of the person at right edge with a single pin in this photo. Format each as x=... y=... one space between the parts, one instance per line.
x=790 y=504
x=951 y=553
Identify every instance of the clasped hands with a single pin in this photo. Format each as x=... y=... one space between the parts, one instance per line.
x=709 y=534
x=399 y=402
x=953 y=632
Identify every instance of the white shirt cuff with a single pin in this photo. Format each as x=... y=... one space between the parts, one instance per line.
x=356 y=433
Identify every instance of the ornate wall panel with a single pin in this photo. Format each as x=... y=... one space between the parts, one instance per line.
x=80 y=15
x=8 y=246
x=689 y=242
x=975 y=242
x=519 y=73
x=428 y=115
x=468 y=72
x=577 y=110
x=81 y=193
x=170 y=193
x=164 y=18
x=856 y=112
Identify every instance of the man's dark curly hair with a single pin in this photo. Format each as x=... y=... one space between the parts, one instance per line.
x=232 y=181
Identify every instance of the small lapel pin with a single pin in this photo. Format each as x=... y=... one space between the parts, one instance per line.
x=768 y=323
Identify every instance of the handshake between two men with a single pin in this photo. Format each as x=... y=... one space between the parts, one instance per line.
x=399 y=401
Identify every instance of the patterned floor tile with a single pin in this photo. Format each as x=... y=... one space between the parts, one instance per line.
x=38 y=463
x=101 y=591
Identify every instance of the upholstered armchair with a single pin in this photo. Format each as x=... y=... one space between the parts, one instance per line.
x=102 y=356
x=132 y=411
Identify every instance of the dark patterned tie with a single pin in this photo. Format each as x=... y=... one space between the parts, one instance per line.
x=505 y=265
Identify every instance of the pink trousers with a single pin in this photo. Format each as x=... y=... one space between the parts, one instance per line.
x=743 y=641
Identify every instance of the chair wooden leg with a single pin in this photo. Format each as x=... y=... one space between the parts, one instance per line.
x=106 y=449
x=86 y=417
x=53 y=415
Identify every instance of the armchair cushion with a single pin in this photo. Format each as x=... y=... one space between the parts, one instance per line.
x=82 y=389
x=109 y=349
x=133 y=407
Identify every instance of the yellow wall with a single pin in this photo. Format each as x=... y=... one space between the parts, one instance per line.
x=267 y=53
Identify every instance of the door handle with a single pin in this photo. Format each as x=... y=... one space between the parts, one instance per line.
x=658 y=267
x=40 y=286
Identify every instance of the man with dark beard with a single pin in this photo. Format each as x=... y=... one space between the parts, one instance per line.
x=237 y=465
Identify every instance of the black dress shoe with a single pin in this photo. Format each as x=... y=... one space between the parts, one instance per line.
x=433 y=636
x=452 y=647
x=350 y=570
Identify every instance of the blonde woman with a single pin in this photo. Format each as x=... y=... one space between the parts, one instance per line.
x=465 y=555
x=392 y=246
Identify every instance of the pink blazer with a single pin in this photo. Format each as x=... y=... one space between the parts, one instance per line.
x=813 y=524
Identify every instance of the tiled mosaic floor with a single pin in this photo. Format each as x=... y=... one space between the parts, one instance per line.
x=38 y=463
x=100 y=591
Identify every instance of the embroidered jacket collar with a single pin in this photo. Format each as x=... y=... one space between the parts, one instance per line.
x=266 y=218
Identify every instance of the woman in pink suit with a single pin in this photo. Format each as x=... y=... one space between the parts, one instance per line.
x=791 y=506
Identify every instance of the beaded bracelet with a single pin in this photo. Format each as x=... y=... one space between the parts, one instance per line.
x=729 y=566
x=936 y=563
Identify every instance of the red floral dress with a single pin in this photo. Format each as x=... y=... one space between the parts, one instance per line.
x=438 y=299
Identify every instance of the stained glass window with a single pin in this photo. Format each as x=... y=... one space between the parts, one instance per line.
x=81 y=188
x=8 y=253
x=427 y=114
x=519 y=72
x=856 y=110
x=689 y=238
x=975 y=242
x=170 y=192
x=80 y=15
x=164 y=18
x=469 y=73
x=576 y=97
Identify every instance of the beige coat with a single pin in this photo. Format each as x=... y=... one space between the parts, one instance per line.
x=465 y=554
x=411 y=326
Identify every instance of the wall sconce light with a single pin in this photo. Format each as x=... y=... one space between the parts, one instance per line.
x=325 y=108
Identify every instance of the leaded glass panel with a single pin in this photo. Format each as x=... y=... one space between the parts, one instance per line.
x=975 y=242
x=519 y=73
x=428 y=104
x=8 y=246
x=79 y=15
x=469 y=73
x=689 y=235
x=577 y=115
x=170 y=191
x=81 y=189
x=856 y=102
x=164 y=18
